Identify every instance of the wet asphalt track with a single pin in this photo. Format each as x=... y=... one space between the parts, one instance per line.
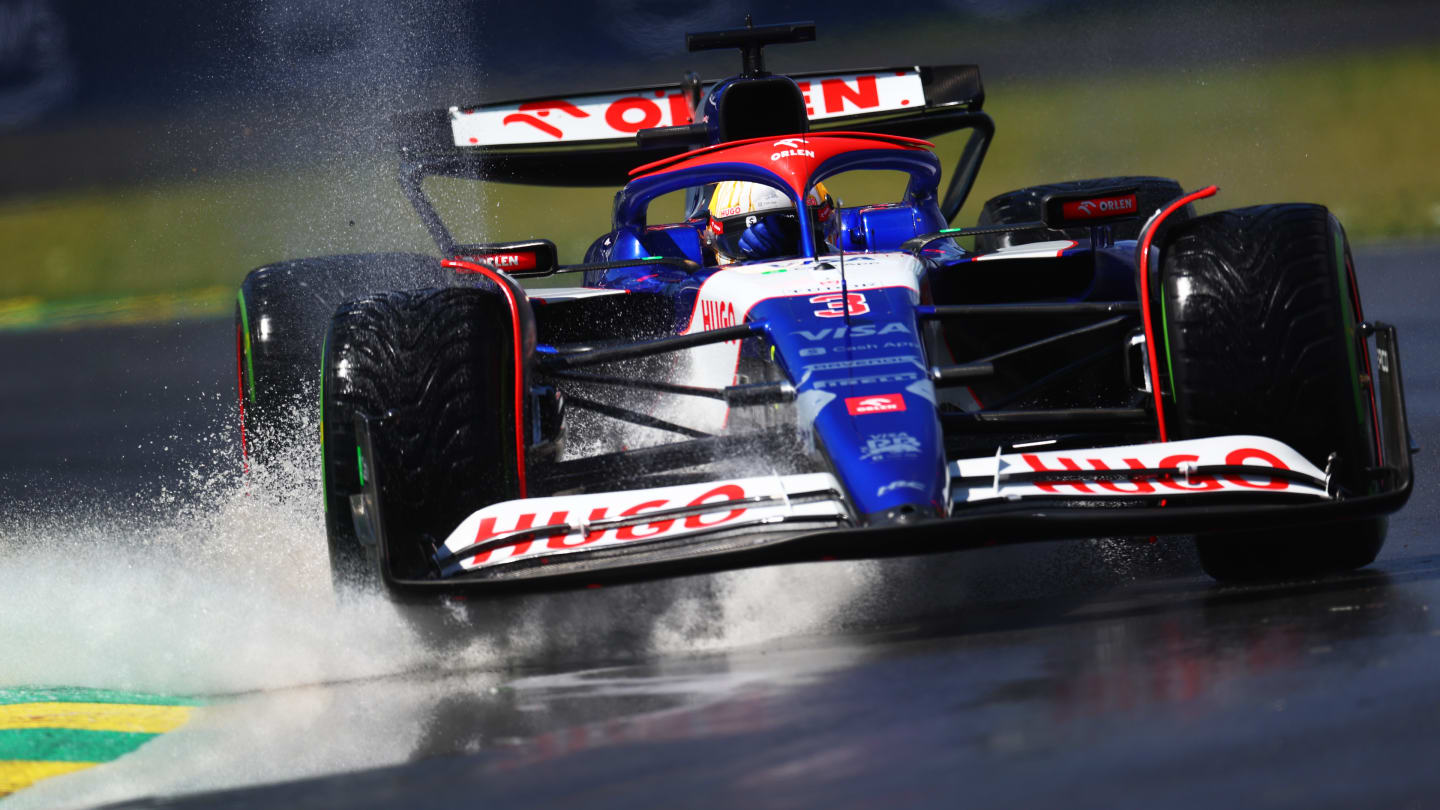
x=1077 y=675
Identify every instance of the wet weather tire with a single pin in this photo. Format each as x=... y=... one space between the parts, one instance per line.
x=435 y=369
x=281 y=315
x=1260 y=315
x=1023 y=205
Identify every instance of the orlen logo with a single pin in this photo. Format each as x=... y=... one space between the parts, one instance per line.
x=875 y=403
x=503 y=261
x=628 y=114
x=791 y=149
x=1099 y=207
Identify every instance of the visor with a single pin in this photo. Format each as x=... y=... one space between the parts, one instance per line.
x=725 y=232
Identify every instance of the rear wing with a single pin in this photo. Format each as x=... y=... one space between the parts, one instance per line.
x=595 y=139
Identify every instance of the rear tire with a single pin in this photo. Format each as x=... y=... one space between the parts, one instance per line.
x=439 y=366
x=1260 y=316
x=1023 y=205
x=281 y=315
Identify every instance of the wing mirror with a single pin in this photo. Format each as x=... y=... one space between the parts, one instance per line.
x=1092 y=207
x=537 y=257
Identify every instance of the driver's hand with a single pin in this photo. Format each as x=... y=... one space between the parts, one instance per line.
x=764 y=239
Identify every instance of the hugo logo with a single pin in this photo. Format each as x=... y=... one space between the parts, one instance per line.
x=716 y=314
x=1143 y=485
x=567 y=536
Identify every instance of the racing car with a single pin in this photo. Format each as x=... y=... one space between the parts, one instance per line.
x=1091 y=359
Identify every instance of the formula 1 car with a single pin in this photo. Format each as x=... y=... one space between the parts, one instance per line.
x=1099 y=361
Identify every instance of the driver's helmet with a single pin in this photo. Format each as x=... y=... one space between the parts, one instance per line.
x=754 y=221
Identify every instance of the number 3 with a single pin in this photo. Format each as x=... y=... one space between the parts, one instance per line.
x=835 y=304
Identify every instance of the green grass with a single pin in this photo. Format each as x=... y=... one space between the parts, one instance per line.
x=156 y=239
x=1353 y=132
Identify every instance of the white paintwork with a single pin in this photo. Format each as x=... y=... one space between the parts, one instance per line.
x=738 y=289
x=1250 y=450
x=1034 y=250
x=611 y=116
x=893 y=91
x=578 y=511
x=569 y=293
x=595 y=117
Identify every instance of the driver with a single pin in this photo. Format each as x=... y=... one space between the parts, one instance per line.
x=754 y=221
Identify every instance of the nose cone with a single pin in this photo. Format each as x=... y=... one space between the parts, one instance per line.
x=902 y=515
x=892 y=462
x=864 y=395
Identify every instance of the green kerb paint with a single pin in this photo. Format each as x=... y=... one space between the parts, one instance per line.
x=66 y=694
x=68 y=745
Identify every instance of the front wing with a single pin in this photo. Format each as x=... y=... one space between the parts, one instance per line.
x=1234 y=483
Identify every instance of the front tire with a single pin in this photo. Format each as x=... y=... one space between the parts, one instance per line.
x=439 y=367
x=1261 y=316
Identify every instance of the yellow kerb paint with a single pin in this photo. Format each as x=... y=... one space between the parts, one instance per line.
x=17 y=774
x=94 y=717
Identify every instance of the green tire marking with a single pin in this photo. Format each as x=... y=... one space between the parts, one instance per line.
x=360 y=464
x=69 y=745
x=1169 y=357
x=249 y=355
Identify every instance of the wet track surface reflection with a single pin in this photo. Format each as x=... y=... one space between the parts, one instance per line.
x=1178 y=694
x=1089 y=674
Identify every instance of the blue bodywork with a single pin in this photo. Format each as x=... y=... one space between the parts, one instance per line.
x=890 y=459
x=864 y=393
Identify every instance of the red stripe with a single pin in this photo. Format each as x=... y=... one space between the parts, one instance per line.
x=500 y=281
x=892 y=140
x=1151 y=349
